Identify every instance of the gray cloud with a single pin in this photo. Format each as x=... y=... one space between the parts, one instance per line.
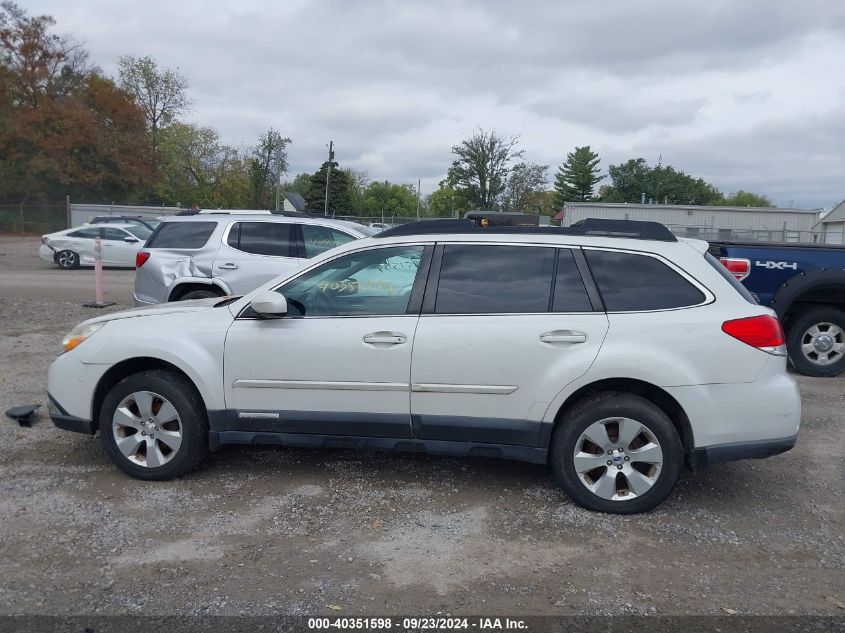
x=397 y=84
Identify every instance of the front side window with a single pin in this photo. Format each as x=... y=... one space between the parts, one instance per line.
x=319 y=239
x=88 y=234
x=494 y=279
x=262 y=238
x=116 y=234
x=372 y=282
x=629 y=282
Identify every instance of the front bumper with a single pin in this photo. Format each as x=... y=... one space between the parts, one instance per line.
x=706 y=455
x=46 y=253
x=63 y=420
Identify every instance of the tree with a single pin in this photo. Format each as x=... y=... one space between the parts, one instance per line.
x=746 y=199
x=339 y=185
x=481 y=168
x=661 y=184
x=267 y=163
x=159 y=92
x=197 y=168
x=300 y=184
x=358 y=181
x=36 y=64
x=446 y=202
x=524 y=182
x=389 y=199
x=576 y=179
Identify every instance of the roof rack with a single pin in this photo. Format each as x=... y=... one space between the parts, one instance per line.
x=629 y=229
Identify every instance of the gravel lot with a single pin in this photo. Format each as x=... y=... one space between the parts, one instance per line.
x=274 y=530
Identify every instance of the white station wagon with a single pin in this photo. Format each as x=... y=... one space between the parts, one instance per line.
x=611 y=351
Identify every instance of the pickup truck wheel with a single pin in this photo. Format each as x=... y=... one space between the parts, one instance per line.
x=816 y=342
x=616 y=452
x=153 y=425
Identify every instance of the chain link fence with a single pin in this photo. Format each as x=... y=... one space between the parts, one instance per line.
x=33 y=217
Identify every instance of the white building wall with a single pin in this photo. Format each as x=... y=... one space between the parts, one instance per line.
x=834 y=233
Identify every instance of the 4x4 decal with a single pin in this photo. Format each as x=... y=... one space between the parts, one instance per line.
x=770 y=265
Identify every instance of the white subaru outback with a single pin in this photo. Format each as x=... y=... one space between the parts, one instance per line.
x=611 y=351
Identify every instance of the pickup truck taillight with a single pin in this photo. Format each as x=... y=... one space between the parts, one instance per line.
x=141 y=258
x=739 y=268
x=763 y=332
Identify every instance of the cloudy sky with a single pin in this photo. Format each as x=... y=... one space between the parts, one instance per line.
x=744 y=93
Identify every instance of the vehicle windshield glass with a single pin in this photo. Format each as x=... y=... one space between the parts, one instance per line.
x=141 y=232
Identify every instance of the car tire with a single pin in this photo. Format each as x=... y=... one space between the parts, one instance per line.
x=814 y=335
x=619 y=482
x=67 y=260
x=161 y=407
x=198 y=294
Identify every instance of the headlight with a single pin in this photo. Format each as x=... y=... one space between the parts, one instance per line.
x=79 y=334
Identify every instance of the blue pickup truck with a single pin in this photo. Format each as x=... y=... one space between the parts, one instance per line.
x=805 y=285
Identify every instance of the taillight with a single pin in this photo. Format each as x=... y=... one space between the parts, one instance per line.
x=763 y=332
x=739 y=268
x=141 y=258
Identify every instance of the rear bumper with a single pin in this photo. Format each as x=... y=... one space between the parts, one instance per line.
x=140 y=303
x=706 y=455
x=63 y=420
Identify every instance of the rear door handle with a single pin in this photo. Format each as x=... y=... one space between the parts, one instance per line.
x=385 y=338
x=227 y=266
x=563 y=336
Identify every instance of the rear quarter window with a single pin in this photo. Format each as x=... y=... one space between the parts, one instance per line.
x=181 y=235
x=629 y=282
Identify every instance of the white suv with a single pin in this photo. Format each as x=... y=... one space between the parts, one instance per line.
x=611 y=351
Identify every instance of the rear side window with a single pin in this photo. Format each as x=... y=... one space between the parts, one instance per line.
x=630 y=282
x=86 y=233
x=720 y=268
x=495 y=279
x=181 y=234
x=115 y=234
x=319 y=239
x=263 y=238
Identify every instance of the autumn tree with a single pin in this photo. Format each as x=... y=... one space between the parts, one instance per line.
x=482 y=166
x=160 y=92
x=577 y=177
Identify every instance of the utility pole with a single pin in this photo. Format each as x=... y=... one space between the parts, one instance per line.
x=419 y=183
x=328 y=177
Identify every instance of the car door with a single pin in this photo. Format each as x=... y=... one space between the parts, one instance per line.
x=503 y=329
x=339 y=362
x=254 y=252
x=116 y=250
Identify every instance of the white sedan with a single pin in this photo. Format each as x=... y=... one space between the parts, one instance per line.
x=74 y=247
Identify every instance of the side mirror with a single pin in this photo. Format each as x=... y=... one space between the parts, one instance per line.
x=130 y=240
x=270 y=305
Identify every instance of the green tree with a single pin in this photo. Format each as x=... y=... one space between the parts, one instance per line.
x=159 y=91
x=339 y=185
x=389 y=199
x=576 y=179
x=660 y=184
x=482 y=166
x=745 y=199
x=300 y=184
x=267 y=162
x=524 y=182
x=358 y=181
x=446 y=202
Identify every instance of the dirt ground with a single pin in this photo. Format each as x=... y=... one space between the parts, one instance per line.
x=290 y=531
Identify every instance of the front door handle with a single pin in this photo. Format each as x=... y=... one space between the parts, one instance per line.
x=563 y=336
x=385 y=338
x=228 y=266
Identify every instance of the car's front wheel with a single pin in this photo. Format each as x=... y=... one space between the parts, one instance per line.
x=67 y=260
x=153 y=425
x=616 y=452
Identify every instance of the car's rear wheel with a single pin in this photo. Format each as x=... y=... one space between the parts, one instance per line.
x=153 y=425
x=67 y=259
x=616 y=452
x=816 y=342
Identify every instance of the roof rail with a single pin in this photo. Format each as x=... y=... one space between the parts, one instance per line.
x=629 y=229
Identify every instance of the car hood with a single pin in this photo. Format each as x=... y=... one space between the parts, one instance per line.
x=193 y=305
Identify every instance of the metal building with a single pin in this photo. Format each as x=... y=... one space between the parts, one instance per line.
x=832 y=226
x=764 y=224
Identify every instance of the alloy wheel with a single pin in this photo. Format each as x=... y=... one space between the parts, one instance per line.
x=147 y=429
x=823 y=343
